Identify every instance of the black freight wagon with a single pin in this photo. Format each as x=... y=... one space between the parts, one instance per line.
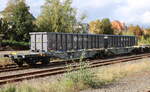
x=47 y=41
x=45 y=45
x=65 y=42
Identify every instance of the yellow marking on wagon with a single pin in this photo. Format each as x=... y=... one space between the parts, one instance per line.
x=14 y=53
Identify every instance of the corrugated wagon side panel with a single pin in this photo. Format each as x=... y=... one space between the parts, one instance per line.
x=101 y=41
x=64 y=42
x=80 y=41
x=38 y=42
x=33 y=42
x=85 y=42
x=45 y=45
x=89 y=42
x=75 y=41
x=69 y=42
x=52 y=41
x=59 y=42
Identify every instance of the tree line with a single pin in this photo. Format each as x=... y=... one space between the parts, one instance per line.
x=105 y=26
x=56 y=16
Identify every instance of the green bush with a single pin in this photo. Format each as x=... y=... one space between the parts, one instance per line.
x=84 y=75
x=144 y=40
x=16 y=44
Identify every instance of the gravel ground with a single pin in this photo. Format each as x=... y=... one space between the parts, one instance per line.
x=138 y=82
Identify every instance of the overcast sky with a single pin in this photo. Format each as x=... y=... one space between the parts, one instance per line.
x=128 y=11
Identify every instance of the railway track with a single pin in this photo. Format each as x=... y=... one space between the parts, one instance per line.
x=62 y=69
x=14 y=67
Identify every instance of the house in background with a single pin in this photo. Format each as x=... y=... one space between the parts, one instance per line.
x=82 y=28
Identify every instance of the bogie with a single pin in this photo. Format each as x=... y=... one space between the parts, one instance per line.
x=19 y=62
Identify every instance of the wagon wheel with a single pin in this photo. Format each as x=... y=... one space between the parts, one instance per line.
x=31 y=63
x=45 y=61
x=19 y=62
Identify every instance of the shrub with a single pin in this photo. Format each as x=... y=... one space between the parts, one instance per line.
x=83 y=76
x=144 y=40
x=16 y=45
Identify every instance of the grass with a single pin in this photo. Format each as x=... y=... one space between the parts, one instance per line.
x=114 y=73
x=81 y=79
x=16 y=44
x=5 y=61
x=10 y=42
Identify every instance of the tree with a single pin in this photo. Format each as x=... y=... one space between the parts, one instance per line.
x=101 y=27
x=21 y=21
x=106 y=26
x=3 y=26
x=11 y=5
x=57 y=16
x=147 y=32
x=136 y=30
x=83 y=27
x=95 y=27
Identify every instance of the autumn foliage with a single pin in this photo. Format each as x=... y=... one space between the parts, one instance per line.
x=118 y=27
x=136 y=30
x=104 y=26
x=101 y=27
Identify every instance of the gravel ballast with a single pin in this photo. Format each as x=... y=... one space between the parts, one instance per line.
x=137 y=82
